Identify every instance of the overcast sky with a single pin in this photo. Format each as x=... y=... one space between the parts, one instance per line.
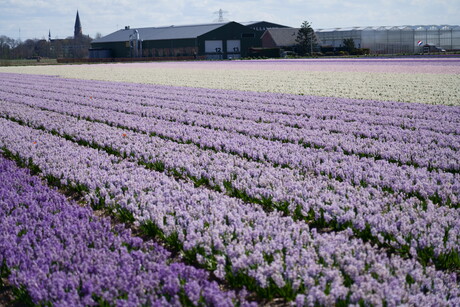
x=33 y=18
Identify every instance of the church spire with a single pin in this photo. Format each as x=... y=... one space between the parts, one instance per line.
x=78 y=31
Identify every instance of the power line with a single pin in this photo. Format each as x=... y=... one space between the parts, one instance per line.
x=221 y=15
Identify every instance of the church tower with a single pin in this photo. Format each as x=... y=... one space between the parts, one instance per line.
x=78 y=31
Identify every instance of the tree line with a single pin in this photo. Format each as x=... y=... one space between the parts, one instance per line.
x=70 y=47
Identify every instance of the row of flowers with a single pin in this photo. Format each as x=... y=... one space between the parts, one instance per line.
x=430 y=88
x=238 y=241
x=439 y=186
x=380 y=136
x=56 y=252
x=407 y=225
x=261 y=106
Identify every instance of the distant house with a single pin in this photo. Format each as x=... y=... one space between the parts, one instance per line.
x=280 y=38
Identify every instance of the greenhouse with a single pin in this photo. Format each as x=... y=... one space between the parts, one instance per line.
x=391 y=40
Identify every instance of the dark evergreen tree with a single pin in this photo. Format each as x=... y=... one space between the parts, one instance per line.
x=306 y=39
x=349 y=45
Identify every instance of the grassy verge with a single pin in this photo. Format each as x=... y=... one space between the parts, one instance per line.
x=24 y=62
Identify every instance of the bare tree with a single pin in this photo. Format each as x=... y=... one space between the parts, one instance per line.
x=7 y=46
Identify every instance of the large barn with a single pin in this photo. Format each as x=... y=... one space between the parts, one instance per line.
x=226 y=40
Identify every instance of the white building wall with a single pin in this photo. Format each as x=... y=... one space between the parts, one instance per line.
x=389 y=40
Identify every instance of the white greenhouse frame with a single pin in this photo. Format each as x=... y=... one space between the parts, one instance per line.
x=392 y=40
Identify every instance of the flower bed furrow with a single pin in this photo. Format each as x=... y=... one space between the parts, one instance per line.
x=274 y=252
x=389 y=219
x=56 y=252
x=440 y=187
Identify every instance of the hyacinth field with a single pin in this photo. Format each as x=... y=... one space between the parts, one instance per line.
x=238 y=183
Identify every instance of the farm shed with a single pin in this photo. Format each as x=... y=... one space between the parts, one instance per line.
x=214 y=41
x=282 y=38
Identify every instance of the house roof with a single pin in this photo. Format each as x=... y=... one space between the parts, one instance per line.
x=262 y=22
x=283 y=36
x=405 y=27
x=159 y=33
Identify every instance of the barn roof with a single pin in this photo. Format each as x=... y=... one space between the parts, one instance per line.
x=381 y=28
x=262 y=22
x=159 y=33
x=283 y=36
